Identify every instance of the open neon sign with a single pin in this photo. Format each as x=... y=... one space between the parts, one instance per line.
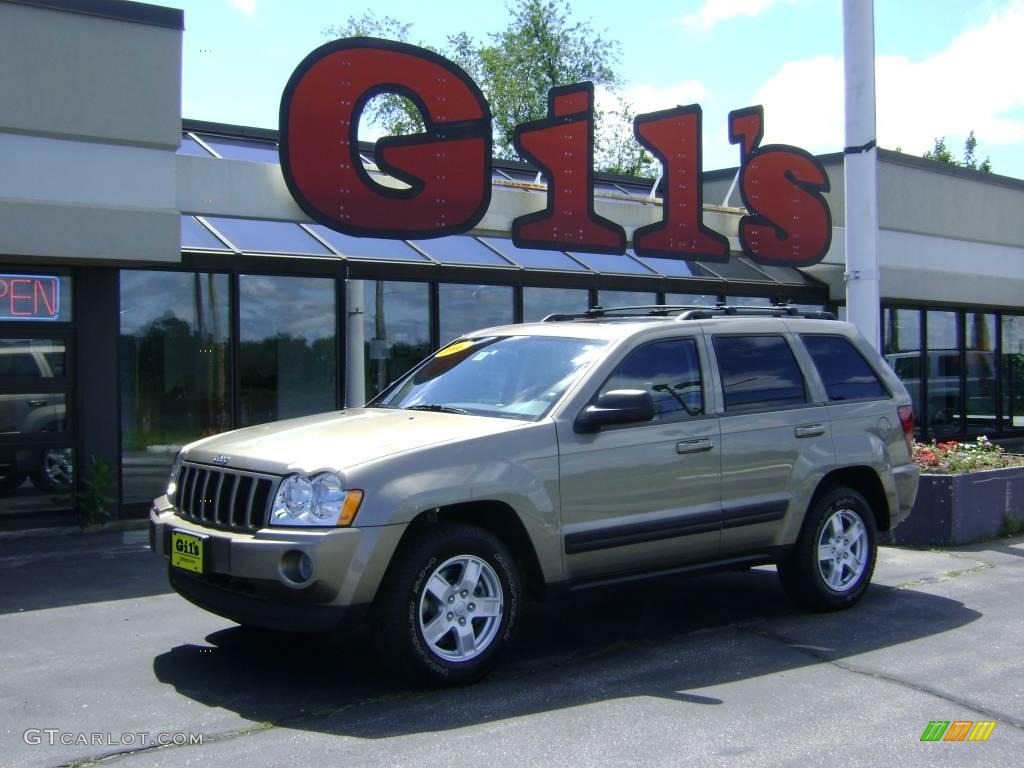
x=29 y=297
x=448 y=165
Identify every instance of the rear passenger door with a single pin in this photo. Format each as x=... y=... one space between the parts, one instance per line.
x=865 y=424
x=776 y=442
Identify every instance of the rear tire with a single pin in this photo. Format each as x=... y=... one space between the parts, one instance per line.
x=830 y=566
x=450 y=605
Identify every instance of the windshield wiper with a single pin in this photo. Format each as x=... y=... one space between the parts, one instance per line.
x=437 y=409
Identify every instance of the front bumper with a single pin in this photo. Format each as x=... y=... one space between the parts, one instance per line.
x=245 y=577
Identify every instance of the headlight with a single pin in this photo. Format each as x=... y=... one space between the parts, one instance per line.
x=317 y=501
x=172 y=481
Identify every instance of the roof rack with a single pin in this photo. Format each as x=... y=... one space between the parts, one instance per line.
x=689 y=312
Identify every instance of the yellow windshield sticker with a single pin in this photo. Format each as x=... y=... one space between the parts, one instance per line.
x=454 y=349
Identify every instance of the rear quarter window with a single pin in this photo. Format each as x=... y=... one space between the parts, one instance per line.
x=758 y=372
x=843 y=369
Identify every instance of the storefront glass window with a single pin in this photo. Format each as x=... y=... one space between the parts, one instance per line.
x=981 y=372
x=396 y=330
x=626 y=298
x=1013 y=371
x=748 y=301
x=614 y=263
x=692 y=299
x=538 y=303
x=465 y=308
x=901 y=344
x=944 y=370
x=36 y=466
x=287 y=352
x=175 y=378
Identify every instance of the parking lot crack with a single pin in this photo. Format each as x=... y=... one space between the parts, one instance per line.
x=946 y=576
x=825 y=655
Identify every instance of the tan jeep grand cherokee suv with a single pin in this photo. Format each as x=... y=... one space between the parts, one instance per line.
x=583 y=449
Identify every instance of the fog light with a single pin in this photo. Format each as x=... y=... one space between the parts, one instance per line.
x=296 y=566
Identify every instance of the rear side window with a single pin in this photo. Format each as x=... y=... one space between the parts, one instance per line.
x=844 y=371
x=758 y=372
x=670 y=371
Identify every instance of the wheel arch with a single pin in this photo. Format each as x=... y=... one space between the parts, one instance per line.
x=865 y=481
x=496 y=517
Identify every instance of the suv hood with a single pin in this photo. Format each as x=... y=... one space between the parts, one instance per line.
x=340 y=439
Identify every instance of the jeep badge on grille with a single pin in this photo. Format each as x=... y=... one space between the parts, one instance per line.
x=221 y=461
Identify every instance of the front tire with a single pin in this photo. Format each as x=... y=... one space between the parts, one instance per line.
x=450 y=606
x=831 y=565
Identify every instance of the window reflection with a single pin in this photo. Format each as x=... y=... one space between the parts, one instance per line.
x=397 y=330
x=287 y=358
x=692 y=299
x=25 y=359
x=1013 y=371
x=943 y=368
x=35 y=480
x=466 y=308
x=980 y=371
x=538 y=303
x=609 y=299
x=901 y=344
x=175 y=338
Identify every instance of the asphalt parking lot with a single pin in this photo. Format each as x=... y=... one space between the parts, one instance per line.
x=712 y=670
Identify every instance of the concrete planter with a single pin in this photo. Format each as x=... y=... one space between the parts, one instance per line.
x=956 y=509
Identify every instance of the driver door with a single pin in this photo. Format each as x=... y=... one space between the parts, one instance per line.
x=646 y=495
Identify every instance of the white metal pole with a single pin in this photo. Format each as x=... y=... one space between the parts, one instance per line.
x=860 y=176
x=355 y=370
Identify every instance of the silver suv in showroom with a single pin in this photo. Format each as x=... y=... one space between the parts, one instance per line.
x=521 y=459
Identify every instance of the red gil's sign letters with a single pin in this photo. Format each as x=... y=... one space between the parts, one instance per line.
x=448 y=165
x=29 y=297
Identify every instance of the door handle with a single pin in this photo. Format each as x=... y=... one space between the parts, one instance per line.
x=36 y=403
x=694 y=446
x=810 y=430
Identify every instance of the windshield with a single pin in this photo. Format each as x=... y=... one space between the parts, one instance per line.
x=517 y=377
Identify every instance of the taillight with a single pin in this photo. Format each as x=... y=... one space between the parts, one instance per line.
x=906 y=413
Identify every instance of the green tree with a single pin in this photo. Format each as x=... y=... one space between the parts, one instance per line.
x=541 y=47
x=943 y=154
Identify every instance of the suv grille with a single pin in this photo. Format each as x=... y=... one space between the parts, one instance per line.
x=222 y=498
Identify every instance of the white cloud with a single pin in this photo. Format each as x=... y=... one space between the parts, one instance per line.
x=974 y=84
x=715 y=11
x=248 y=7
x=648 y=98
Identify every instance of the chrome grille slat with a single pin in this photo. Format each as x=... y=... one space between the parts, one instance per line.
x=240 y=511
x=216 y=498
x=224 y=498
x=204 y=498
x=259 y=505
x=251 y=500
x=234 y=496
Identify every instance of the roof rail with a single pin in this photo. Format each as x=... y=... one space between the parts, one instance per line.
x=689 y=312
x=775 y=310
x=641 y=310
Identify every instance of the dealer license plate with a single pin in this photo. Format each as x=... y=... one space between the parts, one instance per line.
x=187 y=551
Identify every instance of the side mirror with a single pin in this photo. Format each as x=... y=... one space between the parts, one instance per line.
x=620 y=406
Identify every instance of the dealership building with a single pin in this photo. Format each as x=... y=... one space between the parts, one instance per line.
x=159 y=283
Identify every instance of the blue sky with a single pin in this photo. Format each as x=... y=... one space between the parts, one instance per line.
x=942 y=68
